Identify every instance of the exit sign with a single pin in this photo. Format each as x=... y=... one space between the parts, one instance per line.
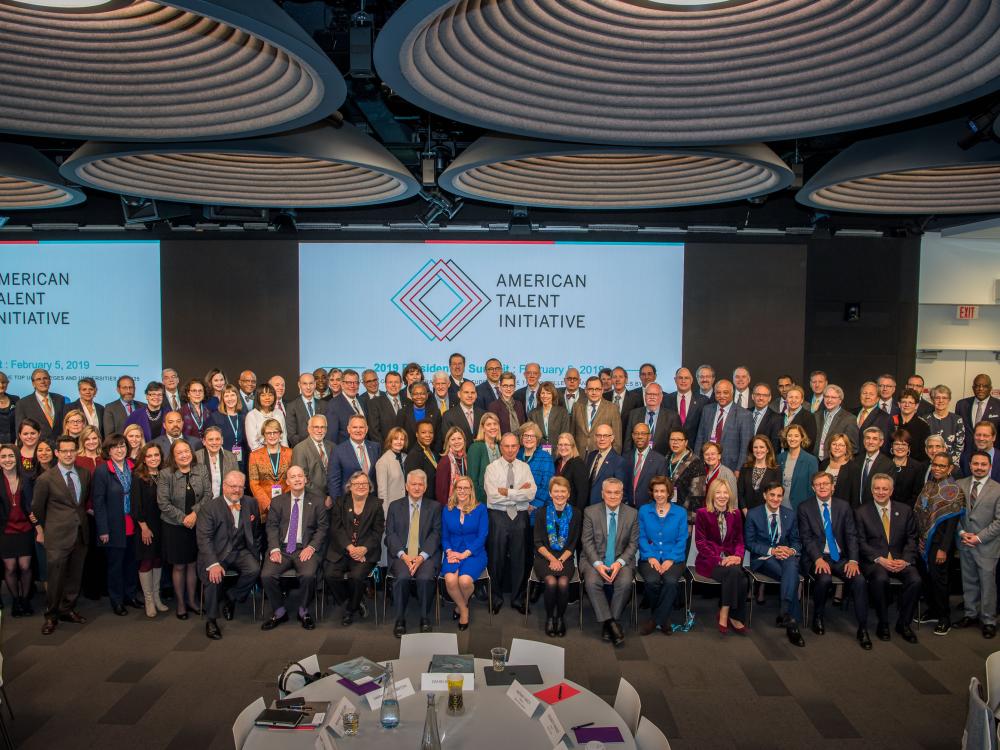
x=967 y=312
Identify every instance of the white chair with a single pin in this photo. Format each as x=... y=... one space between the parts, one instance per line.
x=649 y=736
x=628 y=705
x=551 y=660
x=296 y=681
x=413 y=645
x=244 y=722
x=992 y=681
x=980 y=724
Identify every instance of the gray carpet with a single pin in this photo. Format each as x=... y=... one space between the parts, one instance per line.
x=130 y=682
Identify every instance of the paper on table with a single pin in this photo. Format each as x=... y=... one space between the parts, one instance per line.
x=431 y=682
x=404 y=689
x=337 y=720
x=324 y=741
x=551 y=695
x=522 y=698
x=553 y=727
x=601 y=734
x=358 y=688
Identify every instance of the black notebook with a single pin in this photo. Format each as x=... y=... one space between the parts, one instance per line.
x=526 y=674
x=279 y=717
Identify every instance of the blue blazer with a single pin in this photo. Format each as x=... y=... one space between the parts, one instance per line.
x=663 y=538
x=737 y=432
x=338 y=412
x=485 y=395
x=654 y=465
x=344 y=462
x=757 y=533
x=109 y=505
x=613 y=466
x=805 y=467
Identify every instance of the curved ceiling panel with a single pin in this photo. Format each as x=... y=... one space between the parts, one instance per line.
x=140 y=70
x=504 y=169
x=319 y=166
x=30 y=181
x=652 y=73
x=918 y=172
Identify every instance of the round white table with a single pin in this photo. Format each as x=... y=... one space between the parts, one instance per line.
x=490 y=720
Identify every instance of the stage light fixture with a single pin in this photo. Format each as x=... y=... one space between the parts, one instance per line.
x=437 y=205
x=29 y=180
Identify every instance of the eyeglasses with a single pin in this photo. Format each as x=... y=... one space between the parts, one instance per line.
x=272 y=432
x=371 y=380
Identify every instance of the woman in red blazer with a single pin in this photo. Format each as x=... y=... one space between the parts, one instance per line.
x=718 y=536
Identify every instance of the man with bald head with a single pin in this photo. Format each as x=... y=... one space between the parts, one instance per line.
x=686 y=402
x=981 y=406
x=278 y=383
x=528 y=393
x=728 y=424
x=659 y=420
x=571 y=393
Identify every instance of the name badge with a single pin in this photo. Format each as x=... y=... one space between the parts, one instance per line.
x=275 y=490
x=238 y=452
x=547 y=447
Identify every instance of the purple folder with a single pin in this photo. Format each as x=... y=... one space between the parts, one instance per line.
x=362 y=689
x=602 y=734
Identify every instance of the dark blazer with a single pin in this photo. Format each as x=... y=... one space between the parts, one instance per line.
x=498 y=408
x=29 y=408
x=455 y=417
x=486 y=394
x=164 y=442
x=737 y=431
x=215 y=532
x=416 y=459
x=813 y=535
x=5 y=501
x=371 y=526
x=757 y=533
x=450 y=401
x=453 y=386
x=57 y=511
x=770 y=426
x=845 y=477
x=382 y=417
x=902 y=542
x=408 y=421
x=843 y=421
x=807 y=421
x=115 y=416
x=306 y=456
x=710 y=545
x=338 y=412
x=991 y=414
x=109 y=504
x=863 y=495
x=877 y=418
x=748 y=496
x=924 y=408
x=696 y=405
x=632 y=400
x=559 y=422
x=919 y=431
x=909 y=480
x=655 y=465
x=344 y=462
x=521 y=394
x=964 y=464
x=397 y=529
x=541 y=534
x=227 y=463
x=613 y=466
x=574 y=471
x=297 y=419
x=667 y=421
x=100 y=414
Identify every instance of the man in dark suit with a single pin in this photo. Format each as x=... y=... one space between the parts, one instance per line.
x=465 y=415
x=870 y=461
x=248 y=387
x=687 y=402
x=297 y=525
x=641 y=464
x=833 y=419
x=382 y=411
x=887 y=402
x=604 y=462
x=984 y=439
x=313 y=455
x=489 y=389
x=818 y=382
x=440 y=395
x=870 y=415
x=830 y=548
x=93 y=413
x=979 y=407
x=117 y=412
x=797 y=413
x=780 y=401
x=354 y=454
x=506 y=404
x=173 y=427
x=413 y=540
x=924 y=407
x=660 y=420
x=621 y=398
x=887 y=534
x=420 y=408
x=230 y=538
x=766 y=421
x=456 y=373
x=59 y=505
x=369 y=379
x=43 y=406
x=527 y=395
x=771 y=537
x=728 y=425
x=571 y=392
x=299 y=411
x=341 y=408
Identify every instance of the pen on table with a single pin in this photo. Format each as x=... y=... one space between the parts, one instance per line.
x=583 y=726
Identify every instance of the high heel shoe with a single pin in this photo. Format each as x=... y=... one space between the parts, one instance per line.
x=723 y=629
x=550 y=627
x=193 y=610
x=738 y=629
x=560 y=626
x=454 y=614
x=463 y=625
x=182 y=615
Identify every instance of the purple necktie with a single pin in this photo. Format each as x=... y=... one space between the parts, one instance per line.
x=293 y=528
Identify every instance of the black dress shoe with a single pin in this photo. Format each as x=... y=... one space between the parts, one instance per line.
x=617 y=635
x=74 y=617
x=904 y=630
x=794 y=636
x=119 y=609
x=606 y=631
x=347 y=619
x=864 y=640
x=49 y=627
x=274 y=622
x=817 y=626
x=989 y=631
x=425 y=625
x=135 y=603
x=212 y=630
x=519 y=606
x=228 y=608
x=497 y=606
x=307 y=621
x=550 y=627
x=560 y=627
x=400 y=628
x=882 y=631
x=966 y=622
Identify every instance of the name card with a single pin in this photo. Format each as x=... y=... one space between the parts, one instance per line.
x=404 y=689
x=553 y=727
x=432 y=682
x=325 y=741
x=337 y=720
x=522 y=698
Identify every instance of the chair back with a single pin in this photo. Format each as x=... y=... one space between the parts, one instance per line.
x=244 y=722
x=293 y=680
x=980 y=726
x=413 y=645
x=628 y=705
x=649 y=736
x=551 y=660
x=992 y=680
x=692 y=549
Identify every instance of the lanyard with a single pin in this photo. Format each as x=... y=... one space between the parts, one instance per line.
x=673 y=466
x=198 y=421
x=234 y=422
x=275 y=459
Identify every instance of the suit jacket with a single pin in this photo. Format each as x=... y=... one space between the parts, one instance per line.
x=909 y=480
x=453 y=386
x=757 y=533
x=813 y=534
x=397 y=529
x=770 y=426
x=498 y=408
x=801 y=489
x=344 y=462
x=580 y=395
x=417 y=459
x=606 y=414
x=455 y=417
x=991 y=413
x=983 y=520
x=521 y=394
x=711 y=546
x=667 y=421
x=750 y=497
x=338 y=412
x=574 y=471
x=450 y=401
x=109 y=504
x=654 y=465
x=227 y=464
x=861 y=494
x=217 y=535
x=737 y=431
x=696 y=405
x=807 y=421
x=29 y=408
x=559 y=422
x=306 y=456
x=902 y=541
x=115 y=416
x=382 y=417
x=843 y=421
x=964 y=463
x=297 y=419
x=594 y=538
x=486 y=395
x=408 y=421
x=59 y=514
x=631 y=400
x=924 y=408
x=613 y=466
x=313 y=520
x=171 y=487
x=371 y=525
x=97 y=407
x=877 y=418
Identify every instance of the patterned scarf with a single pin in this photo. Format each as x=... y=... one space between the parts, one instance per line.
x=937 y=503
x=557 y=526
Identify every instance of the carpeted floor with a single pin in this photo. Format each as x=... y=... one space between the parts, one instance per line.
x=119 y=682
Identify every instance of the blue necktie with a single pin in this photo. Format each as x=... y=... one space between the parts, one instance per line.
x=774 y=529
x=830 y=539
x=609 y=553
x=649 y=420
x=593 y=413
x=531 y=400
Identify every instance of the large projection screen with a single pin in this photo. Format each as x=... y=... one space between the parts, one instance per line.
x=562 y=304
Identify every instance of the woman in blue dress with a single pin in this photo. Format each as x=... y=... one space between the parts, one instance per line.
x=464 y=526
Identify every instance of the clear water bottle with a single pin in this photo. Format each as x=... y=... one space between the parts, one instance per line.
x=431 y=739
x=389 y=714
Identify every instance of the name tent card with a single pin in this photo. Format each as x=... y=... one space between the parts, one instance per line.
x=523 y=699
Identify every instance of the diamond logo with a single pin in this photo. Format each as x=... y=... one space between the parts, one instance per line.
x=440 y=300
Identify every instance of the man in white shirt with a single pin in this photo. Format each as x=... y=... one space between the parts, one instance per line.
x=510 y=488
x=979 y=550
x=741 y=383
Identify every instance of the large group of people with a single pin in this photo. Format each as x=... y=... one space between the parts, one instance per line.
x=445 y=485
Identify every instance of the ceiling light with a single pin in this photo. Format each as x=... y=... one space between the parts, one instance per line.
x=63 y=4
x=28 y=180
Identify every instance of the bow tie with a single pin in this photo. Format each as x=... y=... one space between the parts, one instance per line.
x=233 y=506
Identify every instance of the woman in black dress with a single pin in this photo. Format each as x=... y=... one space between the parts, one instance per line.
x=146 y=515
x=357 y=523
x=557 y=534
x=421 y=456
x=17 y=532
x=569 y=465
x=687 y=472
x=907 y=471
x=7 y=404
x=760 y=469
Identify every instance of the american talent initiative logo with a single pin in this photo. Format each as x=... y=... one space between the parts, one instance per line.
x=440 y=300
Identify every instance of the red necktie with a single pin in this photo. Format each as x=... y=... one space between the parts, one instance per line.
x=684 y=409
x=718 y=427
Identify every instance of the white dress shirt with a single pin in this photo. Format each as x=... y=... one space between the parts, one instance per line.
x=298 y=531
x=496 y=477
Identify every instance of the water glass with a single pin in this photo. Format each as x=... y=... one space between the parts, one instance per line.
x=352 y=720
x=499 y=655
x=456 y=701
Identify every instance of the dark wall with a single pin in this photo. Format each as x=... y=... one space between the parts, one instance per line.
x=233 y=305
x=744 y=304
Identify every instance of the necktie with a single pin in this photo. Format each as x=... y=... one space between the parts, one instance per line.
x=496 y=393
x=309 y=407
x=757 y=414
x=618 y=401
x=395 y=405
x=774 y=529
x=47 y=410
x=322 y=455
x=831 y=540
x=886 y=407
x=593 y=413
x=413 y=536
x=863 y=416
x=609 y=552
x=595 y=468
x=975 y=493
x=175 y=406
x=72 y=487
x=442 y=405
x=511 y=510
x=827 y=421
x=531 y=400
x=979 y=412
x=718 y=426
x=128 y=408
x=650 y=420
x=784 y=406
x=684 y=408
x=640 y=457
x=363 y=458
x=864 y=477
x=430 y=457
x=293 y=527
x=355 y=406
x=470 y=417
x=885 y=523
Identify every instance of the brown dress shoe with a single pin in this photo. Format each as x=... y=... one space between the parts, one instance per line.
x=647 y=627
x=49 y=627
x=73 y=616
